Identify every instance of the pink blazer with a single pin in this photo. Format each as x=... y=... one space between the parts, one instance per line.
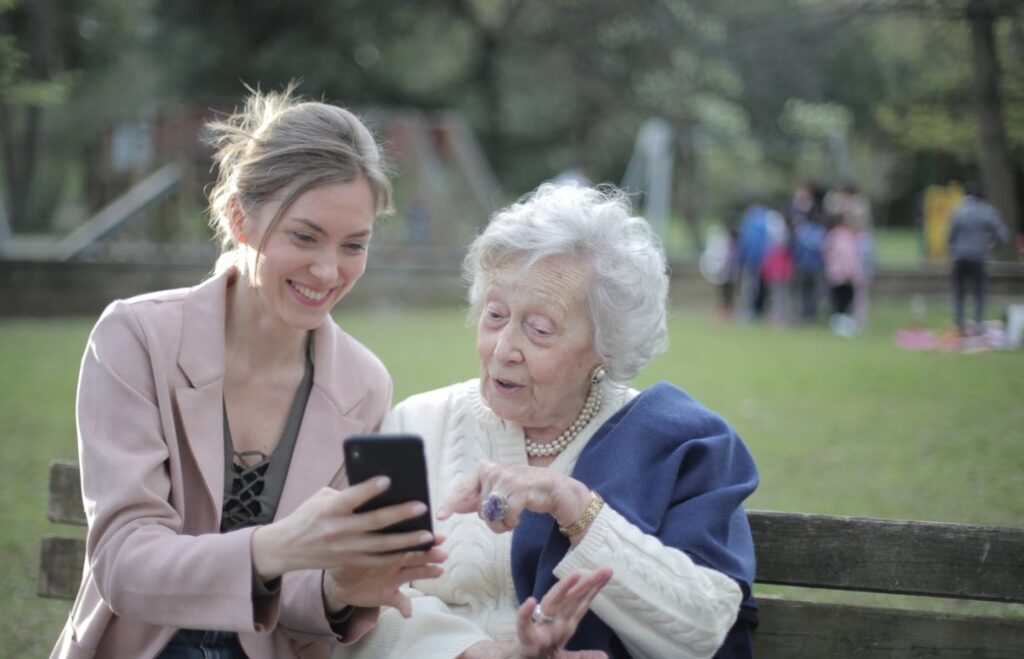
x=151 y=446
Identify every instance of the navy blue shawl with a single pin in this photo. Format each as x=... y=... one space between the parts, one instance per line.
x=677 y=471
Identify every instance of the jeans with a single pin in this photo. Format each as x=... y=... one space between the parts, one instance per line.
x=200 y=644
x=808 y=284
x=842 y=298
x=969 y=274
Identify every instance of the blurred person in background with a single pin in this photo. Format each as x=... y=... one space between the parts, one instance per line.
x=582 y=514
x=719 y=265
x=754 y=243
x=844 y=273
x=210 y=418
x=853 y=209
x=806 y=218
x=975 y=228
x=777 y=269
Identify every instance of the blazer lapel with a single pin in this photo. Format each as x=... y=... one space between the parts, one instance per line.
x=317 y=457
x=327 y=420
x=201 y=358
x=202 y=418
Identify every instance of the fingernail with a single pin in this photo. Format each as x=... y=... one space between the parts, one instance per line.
x=425 y=537
x=382 y=482
x=418 y=508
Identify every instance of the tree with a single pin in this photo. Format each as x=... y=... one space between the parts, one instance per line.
x=996 y=164
x=54 y=60
x=981 y=17
x=31 y=79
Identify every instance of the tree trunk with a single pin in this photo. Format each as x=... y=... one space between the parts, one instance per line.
x=996 y=164
x=10 y=166
x=488 y=79
x=19 y=154
x=690 y=202
x=21 y=124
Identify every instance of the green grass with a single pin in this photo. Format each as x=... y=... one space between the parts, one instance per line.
x=853 y=427
x=898 y=246
x=38 y=369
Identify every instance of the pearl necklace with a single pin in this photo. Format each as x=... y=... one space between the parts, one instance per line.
x=590 y=408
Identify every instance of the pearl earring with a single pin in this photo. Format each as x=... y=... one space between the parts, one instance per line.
x=599 y=375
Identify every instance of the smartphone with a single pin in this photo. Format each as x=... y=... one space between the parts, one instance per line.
x=401 y=458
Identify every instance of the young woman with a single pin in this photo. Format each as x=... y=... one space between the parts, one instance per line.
x=210 y=420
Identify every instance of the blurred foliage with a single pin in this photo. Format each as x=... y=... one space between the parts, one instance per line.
x=57 y=59
x=934 y=107
x=815 y=120
x=756 y=90
x=547 y=83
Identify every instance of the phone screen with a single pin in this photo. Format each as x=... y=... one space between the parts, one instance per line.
x=401 y=458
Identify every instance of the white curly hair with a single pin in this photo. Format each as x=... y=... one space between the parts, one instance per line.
x=628 y=297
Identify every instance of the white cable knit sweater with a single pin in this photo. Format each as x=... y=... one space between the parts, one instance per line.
x=658 y=602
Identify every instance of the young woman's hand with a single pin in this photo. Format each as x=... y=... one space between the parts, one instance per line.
x=362 y=563
x=379 y=586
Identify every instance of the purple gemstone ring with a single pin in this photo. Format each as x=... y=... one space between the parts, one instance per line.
x=494 y=507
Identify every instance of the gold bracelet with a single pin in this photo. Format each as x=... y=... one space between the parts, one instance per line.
x=583 y=523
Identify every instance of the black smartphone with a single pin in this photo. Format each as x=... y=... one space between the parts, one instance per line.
x=402 y=459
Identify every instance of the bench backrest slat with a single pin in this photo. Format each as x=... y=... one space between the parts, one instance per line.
x=65 y=502
x=889 y=556
x=60 y=567
x=812 y=630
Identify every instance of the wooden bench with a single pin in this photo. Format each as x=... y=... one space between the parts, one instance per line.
x=955 y=561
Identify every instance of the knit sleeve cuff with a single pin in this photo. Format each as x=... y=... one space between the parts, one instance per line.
x=591 y=552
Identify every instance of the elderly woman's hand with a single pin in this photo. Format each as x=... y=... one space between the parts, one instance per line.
x=497 y=650
x=537 y=489
x=545 y=627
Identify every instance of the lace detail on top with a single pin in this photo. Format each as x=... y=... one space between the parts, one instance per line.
x=242 y=505
x=253 y=480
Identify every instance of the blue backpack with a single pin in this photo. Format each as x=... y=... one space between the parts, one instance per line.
x=808 y=244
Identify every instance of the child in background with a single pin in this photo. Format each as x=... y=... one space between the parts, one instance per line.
x=844 y=273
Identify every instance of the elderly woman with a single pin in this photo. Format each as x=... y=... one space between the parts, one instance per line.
x=565 y=471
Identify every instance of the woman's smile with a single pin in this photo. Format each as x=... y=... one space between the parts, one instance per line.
x=310 y=296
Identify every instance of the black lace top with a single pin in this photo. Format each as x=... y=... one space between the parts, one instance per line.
x=253 y=481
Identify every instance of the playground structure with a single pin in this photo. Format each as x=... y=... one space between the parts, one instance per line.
x=444 y=190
